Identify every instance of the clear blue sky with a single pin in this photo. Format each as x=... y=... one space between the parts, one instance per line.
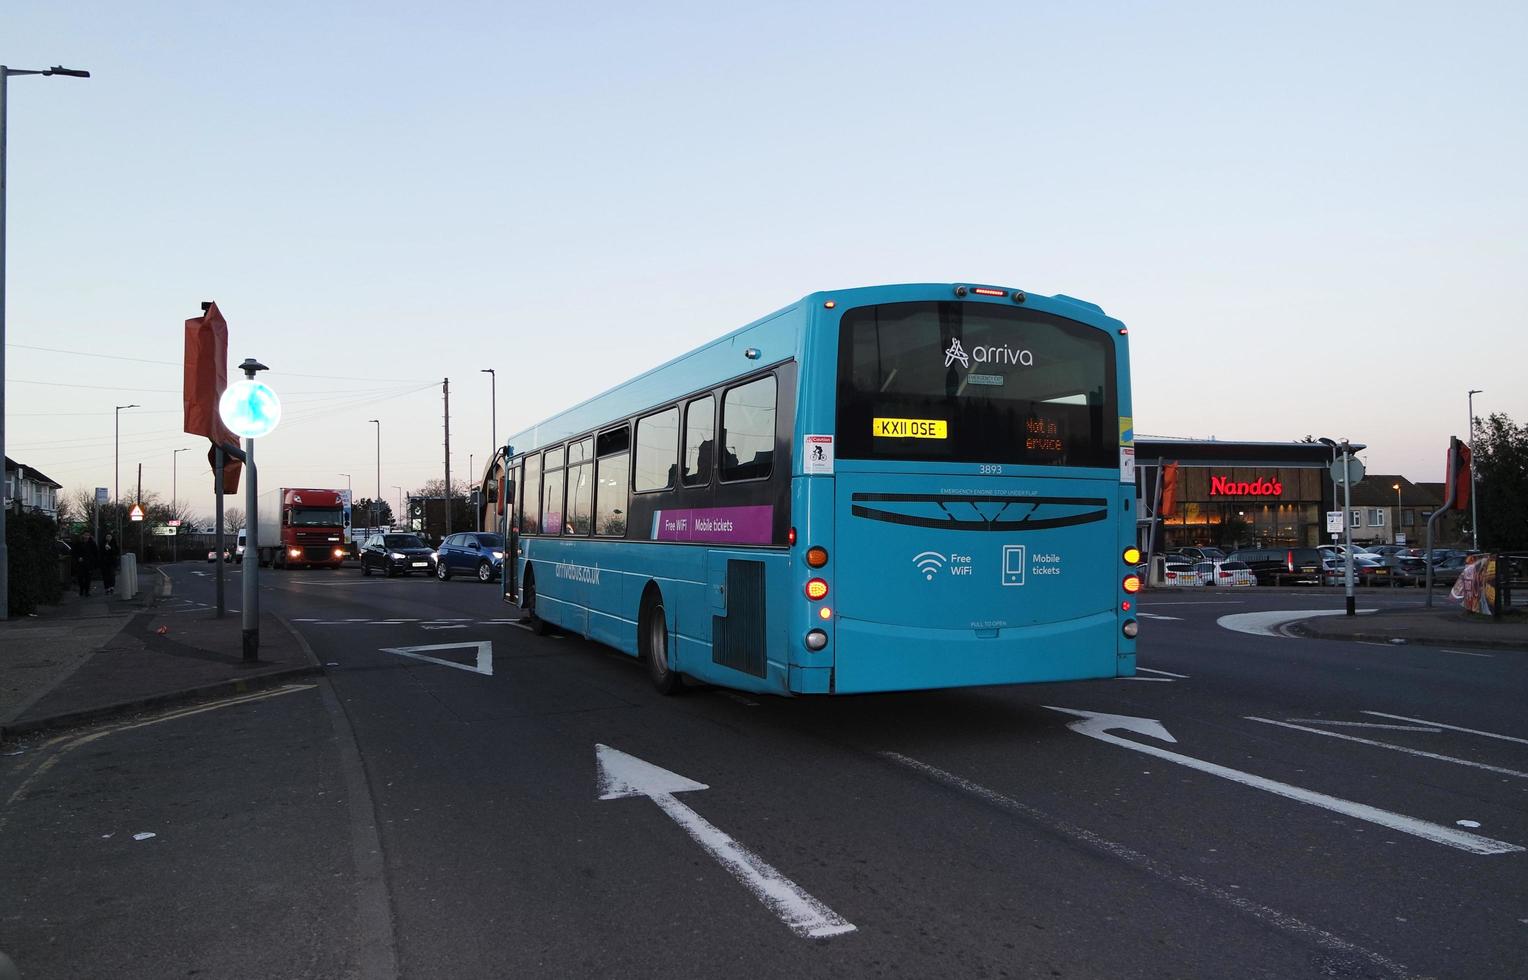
x=1311 y=215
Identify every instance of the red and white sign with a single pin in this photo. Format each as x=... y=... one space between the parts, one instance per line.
x=135 y=514
x=1221 y=486
x=173 y=522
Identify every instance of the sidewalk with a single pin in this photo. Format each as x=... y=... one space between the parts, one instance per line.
x=1445 y=624
x=89 y=658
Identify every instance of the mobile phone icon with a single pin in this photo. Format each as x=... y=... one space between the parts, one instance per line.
x=1013 y=564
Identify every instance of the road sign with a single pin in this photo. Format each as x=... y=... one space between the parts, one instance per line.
x=101 y=495
x=1355 y=469
x=173 y=522
x=163 y=530
x=1400 y=539
x=1334 y=522
x=136 y=514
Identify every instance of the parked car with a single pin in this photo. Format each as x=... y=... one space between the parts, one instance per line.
x=1275 y=565
x=1226 y=573
x=396 y=554
x=1386 y=550
x=212 y=554
x=1182 y=573
x=1203 y=554
x=1446 y=572
x=470 y=553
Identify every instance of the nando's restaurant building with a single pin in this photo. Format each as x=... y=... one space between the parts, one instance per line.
x=1236 y=494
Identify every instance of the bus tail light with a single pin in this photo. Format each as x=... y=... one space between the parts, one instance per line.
x=816 y=589
x=790 y=537
x=815 y=640
x=1130 y=628
x=1132 y=584
x=1132 y=556
x=824 y=613
x=816 y=557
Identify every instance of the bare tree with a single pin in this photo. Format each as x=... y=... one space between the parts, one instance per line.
x=233 y=519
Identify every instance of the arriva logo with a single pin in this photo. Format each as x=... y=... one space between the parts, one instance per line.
x=987 y=355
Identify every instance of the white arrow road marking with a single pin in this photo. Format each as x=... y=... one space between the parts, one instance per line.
x=1098 y=725
x=1164 y=673
x=1147 y=615
x=1364 y=724
x=1393 y=748
x=484 y=650
x=620 y=775
x=1452 y=728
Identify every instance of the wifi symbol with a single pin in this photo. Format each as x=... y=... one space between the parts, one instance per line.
x=929 y=563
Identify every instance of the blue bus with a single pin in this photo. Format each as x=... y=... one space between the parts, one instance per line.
x=875 y=489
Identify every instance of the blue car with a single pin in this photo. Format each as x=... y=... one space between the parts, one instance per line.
x=470 y=553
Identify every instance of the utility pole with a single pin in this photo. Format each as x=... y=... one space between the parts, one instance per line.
x=143 y=524
x=175 y=503
x=445 y=388
x=1474 y=508
x=379 y=474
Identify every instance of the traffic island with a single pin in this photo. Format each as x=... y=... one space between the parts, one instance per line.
x=1447 y=626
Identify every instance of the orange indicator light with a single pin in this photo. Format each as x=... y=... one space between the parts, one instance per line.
x=1132 y=584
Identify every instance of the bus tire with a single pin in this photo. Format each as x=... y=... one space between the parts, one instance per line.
x=653 y=644
x=538 y=625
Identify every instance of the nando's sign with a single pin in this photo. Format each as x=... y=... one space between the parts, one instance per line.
x=1221 y=486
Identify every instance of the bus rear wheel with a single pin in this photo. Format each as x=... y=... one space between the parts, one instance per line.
x=655 y=646
x=538 y=625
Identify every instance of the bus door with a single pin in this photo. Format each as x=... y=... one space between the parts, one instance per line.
x=508 y=525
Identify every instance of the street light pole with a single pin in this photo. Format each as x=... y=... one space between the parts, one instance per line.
x=379 y=472
x=1395 y=530
x=400 y=516
x=116 y=467
x=5 y=556
x=175 y=504
x=493 y=404
x=1474 y=510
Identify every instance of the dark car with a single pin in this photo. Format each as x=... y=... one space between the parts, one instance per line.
x=1204 y=554
x=396 y=554
x=1275 y=565
x=470 y=553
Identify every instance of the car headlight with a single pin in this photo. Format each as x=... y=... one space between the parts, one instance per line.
x=498 y=556
x=435 y=556
x=395 y=556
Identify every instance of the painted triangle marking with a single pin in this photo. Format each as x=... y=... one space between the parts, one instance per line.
x=484 y=650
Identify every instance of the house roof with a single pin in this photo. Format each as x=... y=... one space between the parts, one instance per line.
x=31 y=473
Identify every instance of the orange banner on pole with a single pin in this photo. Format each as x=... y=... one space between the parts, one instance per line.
x=1169 y=490
x=205 y=379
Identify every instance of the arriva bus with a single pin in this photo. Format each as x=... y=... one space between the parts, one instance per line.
x=876 y=489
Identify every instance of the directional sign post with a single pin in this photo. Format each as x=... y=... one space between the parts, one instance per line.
x=622 y=775
x=1096 y=724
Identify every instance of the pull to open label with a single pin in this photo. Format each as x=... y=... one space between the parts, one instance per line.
x=910 y=428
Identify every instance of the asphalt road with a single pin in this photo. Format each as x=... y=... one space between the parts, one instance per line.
x=1306 y=809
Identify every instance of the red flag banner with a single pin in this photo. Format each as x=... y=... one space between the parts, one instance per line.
x=205 y=378
x=1169 y=490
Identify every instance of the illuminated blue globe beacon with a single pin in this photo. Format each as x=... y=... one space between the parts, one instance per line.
x=249 y=409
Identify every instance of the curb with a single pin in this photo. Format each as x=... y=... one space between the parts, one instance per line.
x=1303 y=629
x=222 y=689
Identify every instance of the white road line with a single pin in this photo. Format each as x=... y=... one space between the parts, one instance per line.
x=1149 y=680
x=1452 y=728
x=1393 y=748
x=1164 y=673
x=1269 y=917
x=523 y=626
x=1468 y=653
x=1366 y=724
x=1147 y=615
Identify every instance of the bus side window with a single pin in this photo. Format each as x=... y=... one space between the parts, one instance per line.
x=657 y=454
x=748 y=430
x=699 y=441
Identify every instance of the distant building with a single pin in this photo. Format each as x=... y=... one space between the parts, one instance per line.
x=27 y=489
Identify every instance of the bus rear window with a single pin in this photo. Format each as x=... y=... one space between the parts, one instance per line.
x=975 y=382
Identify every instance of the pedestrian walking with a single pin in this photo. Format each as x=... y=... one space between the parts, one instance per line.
x=110 y=555
x=86 y=557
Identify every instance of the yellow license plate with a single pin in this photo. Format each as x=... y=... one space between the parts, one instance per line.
x=910 y=428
